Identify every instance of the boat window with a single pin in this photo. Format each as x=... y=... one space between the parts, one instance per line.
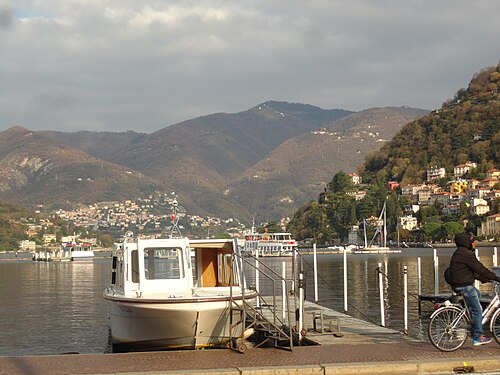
x=163 y=263
x=135 y=266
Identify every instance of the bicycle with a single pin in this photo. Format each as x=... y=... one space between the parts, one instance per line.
x=449 y=325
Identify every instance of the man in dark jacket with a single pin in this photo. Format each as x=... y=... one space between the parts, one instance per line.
x=463 y=271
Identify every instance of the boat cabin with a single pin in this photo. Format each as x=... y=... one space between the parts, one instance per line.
x=146 y=267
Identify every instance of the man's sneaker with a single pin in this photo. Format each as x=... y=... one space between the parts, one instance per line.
x=482 y=340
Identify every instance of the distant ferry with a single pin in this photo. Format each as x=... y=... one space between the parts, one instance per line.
x=77 y=251
x=270 y=244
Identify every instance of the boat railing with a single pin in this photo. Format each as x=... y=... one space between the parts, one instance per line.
x=264 y=313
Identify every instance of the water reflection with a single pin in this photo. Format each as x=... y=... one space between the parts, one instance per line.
x=52 y=308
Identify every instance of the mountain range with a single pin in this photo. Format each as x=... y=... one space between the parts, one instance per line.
x=263 y=162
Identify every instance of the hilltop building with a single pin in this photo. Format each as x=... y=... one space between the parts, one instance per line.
x=460 y=170
x=435 y=173
x=355 y=178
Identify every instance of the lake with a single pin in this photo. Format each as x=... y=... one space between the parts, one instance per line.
x=54 y=308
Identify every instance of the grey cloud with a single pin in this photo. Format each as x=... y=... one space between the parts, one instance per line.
x=146 y=65
x=6 y=18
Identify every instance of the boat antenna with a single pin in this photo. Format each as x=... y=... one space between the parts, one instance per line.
x=175 y=232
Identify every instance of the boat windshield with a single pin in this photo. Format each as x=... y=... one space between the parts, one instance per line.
x=163 y=263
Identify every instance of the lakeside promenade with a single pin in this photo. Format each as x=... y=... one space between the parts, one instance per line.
x=358 y=348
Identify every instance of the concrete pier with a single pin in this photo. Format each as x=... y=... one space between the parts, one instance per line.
x=360 y=348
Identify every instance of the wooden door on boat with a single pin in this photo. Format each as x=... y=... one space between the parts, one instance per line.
x=214 y=272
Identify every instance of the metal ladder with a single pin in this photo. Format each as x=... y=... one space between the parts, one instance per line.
x=260 y=315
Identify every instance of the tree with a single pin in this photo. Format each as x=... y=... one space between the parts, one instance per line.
x=431 y=231
x=450 y=228
x=340 y=182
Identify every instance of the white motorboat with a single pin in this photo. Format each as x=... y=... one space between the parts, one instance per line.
x=176 y=293
x=77 y=252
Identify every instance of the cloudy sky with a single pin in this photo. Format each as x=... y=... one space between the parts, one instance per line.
x=113 y=65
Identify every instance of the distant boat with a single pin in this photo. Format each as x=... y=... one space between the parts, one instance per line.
x=343 y=248
x=77 y=252
x=378 y=243
x=270 y=244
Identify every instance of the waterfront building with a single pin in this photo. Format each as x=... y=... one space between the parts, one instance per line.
x=490 y=227
x=27 y=245
x=353 y=236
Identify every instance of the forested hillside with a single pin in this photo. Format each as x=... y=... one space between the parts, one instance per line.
x=466 y=129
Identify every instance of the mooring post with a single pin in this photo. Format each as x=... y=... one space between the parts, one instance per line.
x=301 y=300
x=315 y=265
x=405 y=288
x=381 y=294
x=419 y=277
x=345 y=280
x=257 y=274
x=436 y=275
x=283 y=289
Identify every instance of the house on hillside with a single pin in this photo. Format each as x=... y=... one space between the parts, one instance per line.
x=458 y=185
x=472 y=184
x=488 y=183
x=412 y=191
x=435 y=173
x=452 y=209
x=49 y=238
x=391 y=185
x=493 y=173
x=407 y=222
x=355 y=178
x=442 y=197
x=460 y=170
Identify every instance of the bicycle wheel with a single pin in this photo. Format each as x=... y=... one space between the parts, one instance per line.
x=495 y=326
x=448 y=328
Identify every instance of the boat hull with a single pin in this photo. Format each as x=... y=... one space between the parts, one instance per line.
x=170 y=324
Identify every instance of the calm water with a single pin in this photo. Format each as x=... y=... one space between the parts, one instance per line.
x=52 y=308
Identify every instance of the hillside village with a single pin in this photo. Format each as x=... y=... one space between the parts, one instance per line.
x=478 y=197
x=146 y=216
x=152 y=215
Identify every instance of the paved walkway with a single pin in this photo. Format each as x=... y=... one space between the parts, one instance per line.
x=369 y=357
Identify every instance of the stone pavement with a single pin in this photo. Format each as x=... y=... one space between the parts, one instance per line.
x=372 y=358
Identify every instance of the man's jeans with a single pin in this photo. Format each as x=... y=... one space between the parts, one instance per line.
x=471 y=295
